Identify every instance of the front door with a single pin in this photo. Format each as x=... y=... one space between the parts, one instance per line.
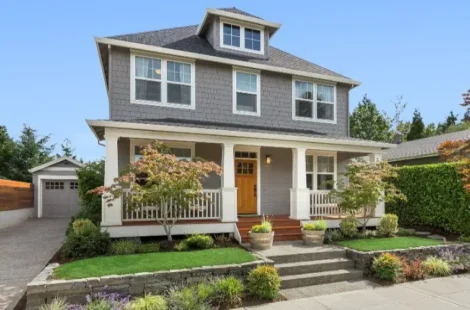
x=245 y=181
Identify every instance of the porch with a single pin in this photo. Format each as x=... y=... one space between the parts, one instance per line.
x=284 y=179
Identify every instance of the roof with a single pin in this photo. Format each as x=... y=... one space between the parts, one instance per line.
x=56 y=161
x=231 y=129
x=240 y=12
x=423 y=147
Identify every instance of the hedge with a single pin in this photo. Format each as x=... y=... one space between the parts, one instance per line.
x=435 y=196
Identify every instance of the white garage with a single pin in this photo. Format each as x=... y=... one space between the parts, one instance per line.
x=56 y=188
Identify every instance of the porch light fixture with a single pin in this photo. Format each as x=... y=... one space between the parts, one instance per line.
x=268 y=159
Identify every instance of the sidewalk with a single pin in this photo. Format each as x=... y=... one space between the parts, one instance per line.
x=439 y=293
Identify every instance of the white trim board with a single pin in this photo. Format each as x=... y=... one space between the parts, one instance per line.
x=56 y=161
x=49 y=177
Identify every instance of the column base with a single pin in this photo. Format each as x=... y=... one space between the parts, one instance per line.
x=300 y=204
x=229 y=204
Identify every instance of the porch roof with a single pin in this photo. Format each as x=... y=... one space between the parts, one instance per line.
x=228 y=129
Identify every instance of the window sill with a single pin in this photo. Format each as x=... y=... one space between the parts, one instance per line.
x=246 y=113
x=164 y=104
x=240 y=49
x=313 y=120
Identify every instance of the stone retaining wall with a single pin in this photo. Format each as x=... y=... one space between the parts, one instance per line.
x=363 y=260
x=43 y=289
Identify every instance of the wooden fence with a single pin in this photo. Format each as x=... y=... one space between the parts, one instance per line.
x=16 y=195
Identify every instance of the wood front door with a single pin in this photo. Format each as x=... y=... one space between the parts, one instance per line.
x=245 y=181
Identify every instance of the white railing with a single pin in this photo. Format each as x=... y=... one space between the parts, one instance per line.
x=204 y=208
x=321 y=204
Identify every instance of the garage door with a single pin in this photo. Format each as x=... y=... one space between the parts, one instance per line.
x=60 y=198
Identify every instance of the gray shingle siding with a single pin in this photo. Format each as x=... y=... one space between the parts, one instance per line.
x=214 y=99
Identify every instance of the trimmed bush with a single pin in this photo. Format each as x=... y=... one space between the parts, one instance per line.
x=264 y=282
x=148 y=248
x=437 y=267
x=387 y=267
x=319 y=225
x=199 y=242
x=348 y=227
x=124 y=247
x=436 y=198
x=413 y=270
x=85 y=241
x=83 y=226
x=388 y=225
x=227 y=292
x=149 y=302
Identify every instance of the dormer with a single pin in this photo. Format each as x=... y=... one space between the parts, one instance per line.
x=233 y=31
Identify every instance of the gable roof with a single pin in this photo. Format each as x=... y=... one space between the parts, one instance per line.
x=426 y=147
x=240 y=12
x=56 y=161
x=185 y=39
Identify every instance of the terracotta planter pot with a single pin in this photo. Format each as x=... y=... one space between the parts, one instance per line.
x=261 y=241
x=313 y=237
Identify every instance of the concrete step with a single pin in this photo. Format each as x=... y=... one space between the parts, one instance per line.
x=318 y=253
x=323 y=277
x=314 y=266
x=327 y=289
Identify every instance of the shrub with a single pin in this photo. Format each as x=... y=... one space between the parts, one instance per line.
x=406 y=231
x=388 y=225
x=204 y=291
x=264 y=227
x=227 y=292
x=149 y=302
x=348 y=226
x=264 y=282
x=223 y=240
x=435 y=198
x=58 y=303
x=82 y=246
x=332 y=236
x=368 y=234
x=107 y=301
x=457 y=259
x=83 y=227
x=316 y=226
x=413 y=270
x=187 y=298
x=124 y=247
x=464 y=238
x=89 y=177
x=387 y=267
x=148 y=248
x=197 y=242
x=437 y=266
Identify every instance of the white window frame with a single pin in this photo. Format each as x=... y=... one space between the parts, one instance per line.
x=164 y=81
x=170 y=144
x=315 y=173
x=235 y=91
x=242 y=26
x=314 y=117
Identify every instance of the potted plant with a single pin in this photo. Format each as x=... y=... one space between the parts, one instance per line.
x=314 y=233
x=262 y=235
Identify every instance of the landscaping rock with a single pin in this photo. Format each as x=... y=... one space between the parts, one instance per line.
x=422 y=233
x=437 y=237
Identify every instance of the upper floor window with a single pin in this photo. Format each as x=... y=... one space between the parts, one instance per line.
x=162 y=82
x=242 y=38
x=246 y=93
x=313 y=102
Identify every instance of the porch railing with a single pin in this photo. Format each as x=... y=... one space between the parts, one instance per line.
x=204 y=208
x=321 y=204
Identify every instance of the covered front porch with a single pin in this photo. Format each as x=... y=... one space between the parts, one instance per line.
x=274 y=177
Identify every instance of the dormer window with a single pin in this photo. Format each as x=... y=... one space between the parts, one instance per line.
x=247 y=38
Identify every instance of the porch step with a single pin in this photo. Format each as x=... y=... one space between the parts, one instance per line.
x=288 y=269
x=323 y=277
x=284 y=228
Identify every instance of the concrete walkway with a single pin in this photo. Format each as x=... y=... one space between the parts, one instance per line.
x=439 y=293
x=24 y=251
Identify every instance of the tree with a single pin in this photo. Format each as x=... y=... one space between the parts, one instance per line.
x=416 y=128
x=466 y=103
x=31 y=150
x=7 y=151
x=430 y=130
x=451 y=120
x=403 y=128
x=458 y=151
x=367 y=122
x=368 y=183
x=90 y=176
x=67 y=149
x=159 y=178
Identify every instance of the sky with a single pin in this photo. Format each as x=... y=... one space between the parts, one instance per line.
x=52 y=80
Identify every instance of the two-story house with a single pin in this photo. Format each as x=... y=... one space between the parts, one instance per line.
x=276 y=123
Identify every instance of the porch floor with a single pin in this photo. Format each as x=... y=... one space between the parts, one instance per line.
x=284 y=228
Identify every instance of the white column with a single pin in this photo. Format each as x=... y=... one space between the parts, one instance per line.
x=111 y=214
x=299 y=193
x=229 y=191
x=380 y=209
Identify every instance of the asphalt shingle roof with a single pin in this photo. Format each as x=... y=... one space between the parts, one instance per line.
x=185 y=39
x=423 y=147
x=237 y=11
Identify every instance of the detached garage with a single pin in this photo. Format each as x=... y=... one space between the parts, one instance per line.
x=56 y=188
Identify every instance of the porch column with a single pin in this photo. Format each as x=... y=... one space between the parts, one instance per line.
x=229 y=191
x=111 y=215
x=380 y=209
x=299 y=193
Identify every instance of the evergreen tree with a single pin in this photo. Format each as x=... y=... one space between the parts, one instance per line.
x=416 y=128
x=367 y=122
x=7 y=151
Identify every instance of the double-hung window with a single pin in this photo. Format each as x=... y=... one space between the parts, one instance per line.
x=247 y=38
x=321 y=171
x=313 y=102
x=162 y=82
x=246 y=93
x=182 y=151
x=231 y=35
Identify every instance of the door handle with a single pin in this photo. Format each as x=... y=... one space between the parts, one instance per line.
x=254 y=188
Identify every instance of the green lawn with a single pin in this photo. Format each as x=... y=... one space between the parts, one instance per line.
x=378 y=244
x=125 y=264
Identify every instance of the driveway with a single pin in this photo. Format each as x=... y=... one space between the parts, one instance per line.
x=439 y=293
x=24 y=251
